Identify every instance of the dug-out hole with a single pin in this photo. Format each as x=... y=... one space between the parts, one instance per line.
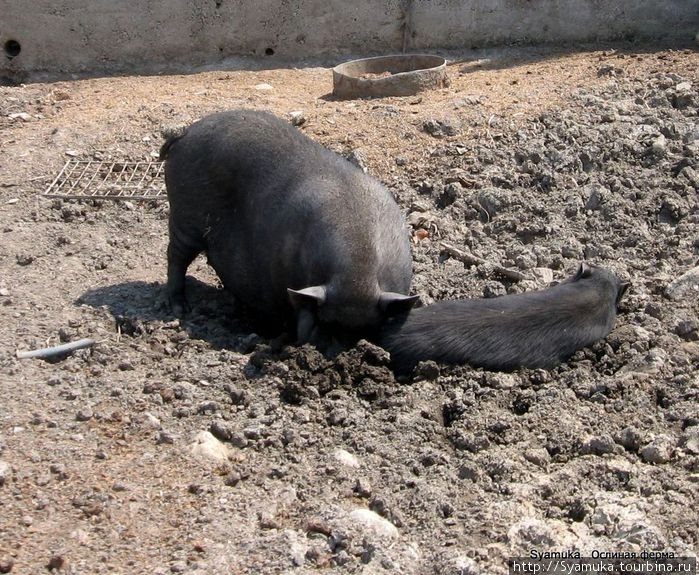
x=12 y=48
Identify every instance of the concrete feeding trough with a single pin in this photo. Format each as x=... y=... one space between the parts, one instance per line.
x=402 y=75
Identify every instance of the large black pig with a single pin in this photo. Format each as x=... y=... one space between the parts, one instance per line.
x=537 y=329
x=294 y=231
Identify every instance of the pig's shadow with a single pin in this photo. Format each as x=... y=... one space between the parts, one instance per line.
x=212 y=317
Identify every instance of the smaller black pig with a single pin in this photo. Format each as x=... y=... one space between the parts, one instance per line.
x=538 y=329
x=296 y=233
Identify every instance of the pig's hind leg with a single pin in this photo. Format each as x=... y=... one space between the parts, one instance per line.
x=181 y=251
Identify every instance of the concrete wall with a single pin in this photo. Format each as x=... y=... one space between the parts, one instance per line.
x=60 y=37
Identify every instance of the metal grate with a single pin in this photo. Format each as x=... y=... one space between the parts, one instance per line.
x=111 y=180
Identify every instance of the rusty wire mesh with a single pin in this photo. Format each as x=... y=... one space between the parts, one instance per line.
x=111 y=180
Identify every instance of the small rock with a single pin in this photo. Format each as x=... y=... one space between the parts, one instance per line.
x=609 y=70
x=263 y=87
x=688 y=329
x=149 y=420
x=494 y=288
x=238 y=396
x=81 y=536
x=630 y=439
x=572 y=250
x=6 y=564
x=465 y=566
x=427 y=370
x=220 y=430
x=468 y=100
x=165 y=438
x=657 y=451
x=252 y=433
x=595 y=196
x=687 y=285
x=318 y=555
x=346 y=458
x=5 y=472
x=297 y=118
x=538 y=456
x=59 y=470
x=469 y=471
x=542 y=276
x=24 y=259
x=441 y=128
x=196 y=488
x=689 y=441
x=682 y=96
x=342 y=558
x=598 y=445
x=56 y=562
x=84 y=414
x=182 y=411
x=178 y=567
x=318 y=525
x=337 y=416
x=692 y=350
x=624 y=522
x=125 y=366
x=232 y=479
x=207 y=446
x=375 y=522
x=362 y=487
x=238 y=439
x=207 y=408
x=297 y=548
x=659 y=146
x=267 y=520
x=20 y=116
x=691 y=175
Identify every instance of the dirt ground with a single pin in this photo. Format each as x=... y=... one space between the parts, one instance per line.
x=195 y=446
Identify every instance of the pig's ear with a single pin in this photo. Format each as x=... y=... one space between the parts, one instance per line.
x=584 y=271
x=391 y=303
x=623 y=288
x=307 y=298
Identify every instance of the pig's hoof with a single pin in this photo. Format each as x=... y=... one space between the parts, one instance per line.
x=179 y=306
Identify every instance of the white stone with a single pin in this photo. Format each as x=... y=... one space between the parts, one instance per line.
x=207 y=446
x=149 y=420
x=297 y=117
x=687 y=282
x=659 y=145
x=5 y=472
x=543 y=275
x=346 y=458
x=374 y=521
